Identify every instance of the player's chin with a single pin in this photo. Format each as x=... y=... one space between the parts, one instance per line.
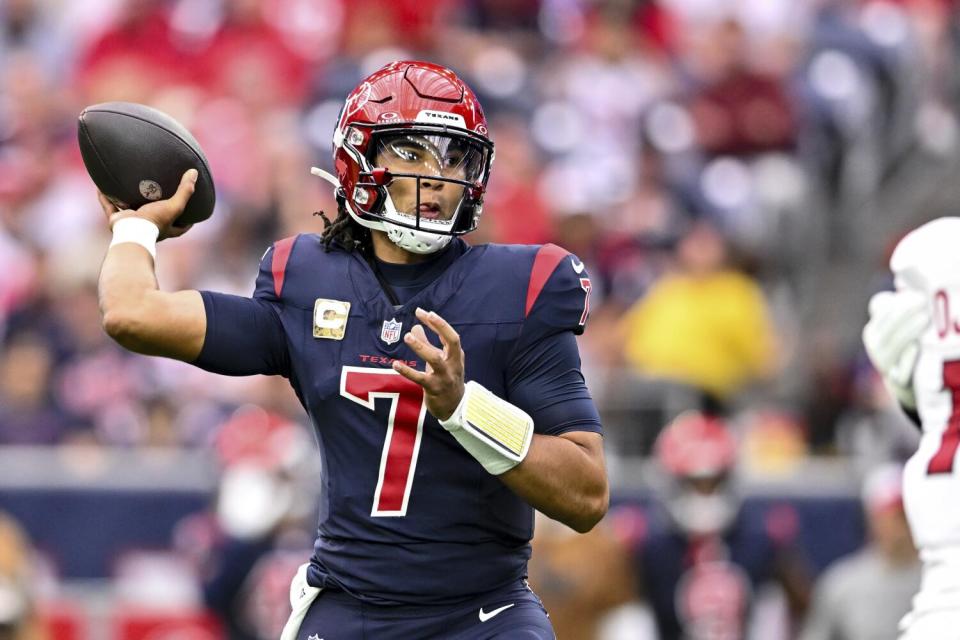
x=442 y=216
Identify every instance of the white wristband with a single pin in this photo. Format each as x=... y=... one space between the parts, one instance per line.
x=138 y=231
x=492 y=430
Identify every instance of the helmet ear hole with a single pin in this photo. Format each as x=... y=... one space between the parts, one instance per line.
x=370 y=198
x=361 y=196
x=355 y=137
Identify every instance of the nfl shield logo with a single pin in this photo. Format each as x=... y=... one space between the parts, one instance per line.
x=391 y=331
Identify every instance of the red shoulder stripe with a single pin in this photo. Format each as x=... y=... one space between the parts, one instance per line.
x=281 y=253
x=547 y=259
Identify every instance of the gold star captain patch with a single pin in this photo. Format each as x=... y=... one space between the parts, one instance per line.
x=330 y=318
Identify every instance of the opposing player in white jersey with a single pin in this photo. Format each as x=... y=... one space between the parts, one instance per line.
x=913 y=338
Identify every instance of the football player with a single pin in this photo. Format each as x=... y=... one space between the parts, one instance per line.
x=702 y=558
x=443 y=380
x=913 y=339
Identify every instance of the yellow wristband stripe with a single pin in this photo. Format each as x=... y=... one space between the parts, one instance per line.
x=498 y=420
x=505 y=429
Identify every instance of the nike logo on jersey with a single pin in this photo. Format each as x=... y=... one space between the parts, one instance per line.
x=484 y=616
x=577 y=265
x=315 y=636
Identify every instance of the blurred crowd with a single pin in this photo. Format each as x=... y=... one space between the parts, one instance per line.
x=729 y=170
x=705 y=159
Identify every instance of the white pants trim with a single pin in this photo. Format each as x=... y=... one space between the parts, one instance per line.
x=302 y=596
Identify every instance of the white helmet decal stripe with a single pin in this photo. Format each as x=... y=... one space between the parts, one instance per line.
x=355 y=103
x=441 y=117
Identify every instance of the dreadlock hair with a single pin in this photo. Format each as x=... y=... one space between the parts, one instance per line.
x=343 y=230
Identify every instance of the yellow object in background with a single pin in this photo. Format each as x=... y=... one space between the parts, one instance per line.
x=710 y=331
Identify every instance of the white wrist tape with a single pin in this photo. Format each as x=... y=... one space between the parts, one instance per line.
x=491 y=429
x=138 y=231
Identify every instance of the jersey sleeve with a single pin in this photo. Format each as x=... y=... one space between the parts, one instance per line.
x=545 y=381
x=245 y=336
x=543 y=375
x=558 y=294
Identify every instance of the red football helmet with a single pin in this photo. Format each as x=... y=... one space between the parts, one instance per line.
x=412 y=155
x=696 y=445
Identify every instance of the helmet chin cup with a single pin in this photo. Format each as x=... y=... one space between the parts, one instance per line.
x=422 y=242
x=412 y=240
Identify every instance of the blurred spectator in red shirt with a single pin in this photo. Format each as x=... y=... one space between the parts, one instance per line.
x=418 y=22
x=247 y=59
x=737 y=110
x=135 y=58
x=513 y=204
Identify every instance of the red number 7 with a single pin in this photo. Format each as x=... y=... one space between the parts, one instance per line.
x=404 y=429
x=942 y=460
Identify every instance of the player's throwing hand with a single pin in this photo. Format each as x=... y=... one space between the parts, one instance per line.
x=162 y=212
x=443 y=379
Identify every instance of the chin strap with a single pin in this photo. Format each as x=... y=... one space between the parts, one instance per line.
x=325 y=175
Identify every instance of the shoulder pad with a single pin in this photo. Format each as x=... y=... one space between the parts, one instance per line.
x=558 y=291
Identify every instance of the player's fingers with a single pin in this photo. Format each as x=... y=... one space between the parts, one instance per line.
x=409 y=373
x=448 y=336
x=188 y=183
x=108 y=207
x=174 y=232
x=418 y=331
x=445 y=366
x=417 y=341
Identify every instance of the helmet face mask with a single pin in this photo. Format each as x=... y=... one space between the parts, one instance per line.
x=412 y=157
x=422 y=180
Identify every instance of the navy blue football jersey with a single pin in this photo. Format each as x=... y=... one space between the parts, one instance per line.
x=408 y=516
x=695 y=584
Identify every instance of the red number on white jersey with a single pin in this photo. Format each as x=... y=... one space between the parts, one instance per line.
x=946 y=324
x=408 y=407
x=942 y=460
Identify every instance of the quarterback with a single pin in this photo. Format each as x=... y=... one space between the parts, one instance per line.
x=913 y=339
x=442 y=379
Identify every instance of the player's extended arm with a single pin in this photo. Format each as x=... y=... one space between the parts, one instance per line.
x=565 y=478
x=135 y=312
x=562 y=476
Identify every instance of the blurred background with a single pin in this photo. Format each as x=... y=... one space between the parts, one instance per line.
x=734 y=174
